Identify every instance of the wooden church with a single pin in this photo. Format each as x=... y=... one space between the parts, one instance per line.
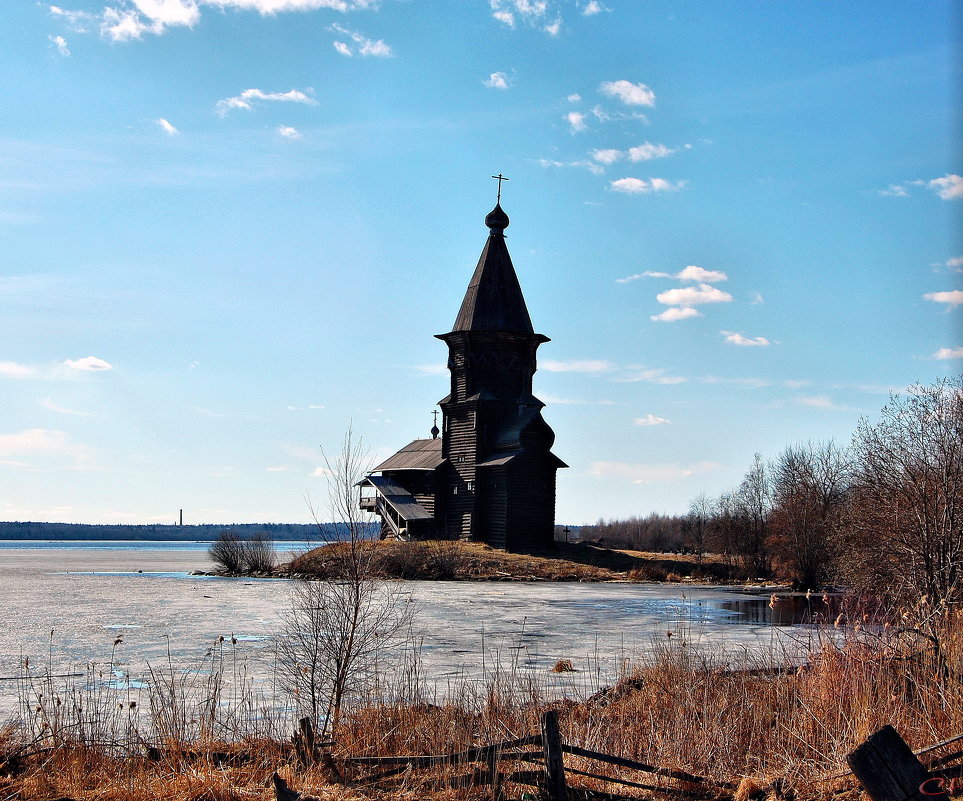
x=489 y=474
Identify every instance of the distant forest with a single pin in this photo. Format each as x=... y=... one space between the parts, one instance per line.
x=300 y=532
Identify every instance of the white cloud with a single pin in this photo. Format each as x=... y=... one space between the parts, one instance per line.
x=576 y=121
x=955 y=263
x=248 y=96
x=576 y=366
x=343 y=49
x=752 y=383
x=553 y=28
x=755 y=299
x=14 y=370
x=321 y=472
x=949 y=187
x=948 y=353
x=575 y=97
x=77 y=20
x=693 y=296
x=695 y=273
x=650 y=473
x=638 y=186
x=650 y=420
x=311 y=407
x=607 y=156
x=122 y=23
x=366 y=46
x=894 y=190
x=627 y=279
x=648 y=152
x=591 y=166
x=41 y=441
x=288 y=132
x=167 y=128
x=593 y=7
x=61 y=44
x=675 y=313
x=89 y=364
x=632 y=94
x=651 y=375
x=738 y=339
x=505 y=17
x=497 y=80
x=953 y=297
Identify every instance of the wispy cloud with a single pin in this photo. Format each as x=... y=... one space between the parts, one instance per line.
x=948 y=353
x=735 y=338
x=364 y=45
x=639 y=186
x=577 y=366
x=632 y=94
x=650 y=473
x=167 y=128
x=497 y=80
x=751 y=383
x=591 y=166
x=48 y=403
x=121 y=23
x=430 y=369
x=555 y=400
x=539 y=14
x=822 y=402
x=650 y=420
x=952 y=297
x=650 y=375
x=246 y=99
x=592 y=7
x=311 y=407
x=88 y=364
x=61 y=44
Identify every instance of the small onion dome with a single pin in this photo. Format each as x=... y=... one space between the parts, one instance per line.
x=497 y=220
x=435 y=432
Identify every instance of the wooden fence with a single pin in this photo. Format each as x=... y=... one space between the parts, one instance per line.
x=884 y=765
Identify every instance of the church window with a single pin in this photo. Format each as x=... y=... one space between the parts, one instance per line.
x=470 y=486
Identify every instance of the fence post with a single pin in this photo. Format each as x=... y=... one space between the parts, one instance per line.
x=890 y=771
x=554 y=766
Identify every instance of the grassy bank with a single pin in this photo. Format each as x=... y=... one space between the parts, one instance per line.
x=472 y=561
x=783 y=734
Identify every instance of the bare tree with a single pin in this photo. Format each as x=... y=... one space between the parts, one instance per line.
x=340 y=631
x=700 y=512
x=810 y=488
x=907 y=522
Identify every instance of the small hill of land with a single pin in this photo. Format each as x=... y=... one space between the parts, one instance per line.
x=473 y=561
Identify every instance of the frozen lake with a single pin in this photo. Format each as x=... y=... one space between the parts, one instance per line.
x=73 y=600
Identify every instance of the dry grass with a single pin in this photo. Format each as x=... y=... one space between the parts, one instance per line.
x=473 y=561
x=682 y=709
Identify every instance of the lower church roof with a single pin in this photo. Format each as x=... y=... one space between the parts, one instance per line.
x=421 y=454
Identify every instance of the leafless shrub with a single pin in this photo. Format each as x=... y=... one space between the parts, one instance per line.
x=227 y=552
x=258 y=553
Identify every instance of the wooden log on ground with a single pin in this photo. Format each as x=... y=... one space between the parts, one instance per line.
x=554 y=764
x=889 y=771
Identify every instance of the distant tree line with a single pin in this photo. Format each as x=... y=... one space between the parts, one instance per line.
x=884 y=512
x=207 y=532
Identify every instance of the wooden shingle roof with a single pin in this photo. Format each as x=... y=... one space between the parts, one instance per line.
x=422 y=454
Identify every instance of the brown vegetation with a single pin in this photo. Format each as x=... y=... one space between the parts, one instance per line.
x=684 y=710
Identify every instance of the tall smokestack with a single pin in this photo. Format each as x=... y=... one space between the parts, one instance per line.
x=182 y=518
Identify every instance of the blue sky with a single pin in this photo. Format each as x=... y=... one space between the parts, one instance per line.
x=230 y=228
